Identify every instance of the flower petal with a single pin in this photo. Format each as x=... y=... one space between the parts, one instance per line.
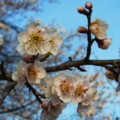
x=44 y=47
x=21 y=48
x=54 y=50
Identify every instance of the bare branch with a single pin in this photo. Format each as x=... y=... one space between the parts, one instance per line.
x=69 y=64
x=7 y=90
x=17 y=108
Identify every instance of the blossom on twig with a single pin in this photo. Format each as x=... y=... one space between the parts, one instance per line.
x=34 y=40
x=32 y=72
x=98 y=28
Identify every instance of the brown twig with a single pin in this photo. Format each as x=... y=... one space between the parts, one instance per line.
x=7 y=90
x=69 y=64
x=17 y=108
x=90 y=42
x=34 y=92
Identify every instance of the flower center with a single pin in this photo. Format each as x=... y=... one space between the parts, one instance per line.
x=65 y=86
x=52 y=40
x=80 y=90
x=32 y=72
x=36 y=37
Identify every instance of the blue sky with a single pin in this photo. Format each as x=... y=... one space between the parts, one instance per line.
x=66 y=14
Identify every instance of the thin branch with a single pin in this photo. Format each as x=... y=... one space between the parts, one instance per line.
x=90 y=42
x=69 y=64
x=34 y=92
x=17 y=108
x=7 y=90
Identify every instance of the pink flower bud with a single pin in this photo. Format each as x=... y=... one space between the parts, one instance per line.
x=88 y=5
x=105 y=43
x=82 y=30
x=45 y=104
x=28 y=58
x=82 y=10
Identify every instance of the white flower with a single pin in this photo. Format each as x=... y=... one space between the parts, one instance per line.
x=64 y=87
x=56 y=40
x=1 y=39
x=32 y=72
x=50 y=90
x=81 y=87
x=34 y=40
x=70 y=88
x=105 y=43
x=98 y=27
x=19 y=75
x=91 y=94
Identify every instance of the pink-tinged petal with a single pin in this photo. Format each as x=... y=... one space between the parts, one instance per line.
x=34 y=73
x=54 y=50
x=105 y=43
x=41 y=73
x=57 y=39
x=98 y=27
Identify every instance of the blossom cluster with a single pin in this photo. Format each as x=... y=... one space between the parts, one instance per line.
x=39 y=40
x=31 y=72
x=59 y=89
x=70 y=88
x=63 y=88
x=98 y=28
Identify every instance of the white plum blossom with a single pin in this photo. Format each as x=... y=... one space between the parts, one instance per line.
x=32 y=72
x=81 y=87
x=70 y=88
x=64 y=86
x=105 y=43
x=19 y=75
x=88 y=102
x=98 y=27
x=91 y=94
x=1 y=39
x=49 y=90
x=34 y=40
x=56 y=39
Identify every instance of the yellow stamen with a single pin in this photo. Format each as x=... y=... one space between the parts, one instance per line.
x=65 y=86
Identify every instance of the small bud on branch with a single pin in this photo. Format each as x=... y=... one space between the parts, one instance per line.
x=82 y=30
x=28 y=58
x=88 y=5
x=45 y=104
x=82 y=10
